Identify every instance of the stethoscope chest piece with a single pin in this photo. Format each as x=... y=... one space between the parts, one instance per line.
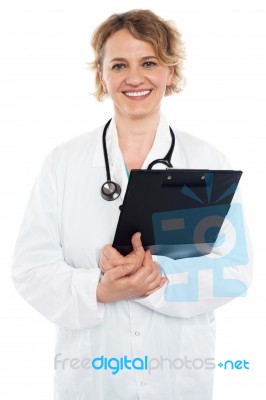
x=110 y=190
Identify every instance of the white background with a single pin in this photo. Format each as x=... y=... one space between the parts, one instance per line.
x=45 y=100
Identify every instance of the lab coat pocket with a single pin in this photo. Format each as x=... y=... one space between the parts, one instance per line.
x=194 y=367
x=199 y=335
x=72 y=364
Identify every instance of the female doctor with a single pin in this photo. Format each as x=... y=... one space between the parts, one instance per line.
x=118 y=338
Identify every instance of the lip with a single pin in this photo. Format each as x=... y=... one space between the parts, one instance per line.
x=137 y=94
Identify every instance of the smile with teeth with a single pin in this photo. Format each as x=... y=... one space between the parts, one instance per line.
x=137 y=94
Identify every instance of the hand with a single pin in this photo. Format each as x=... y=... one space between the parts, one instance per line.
x=111 y=258
x=120 y=284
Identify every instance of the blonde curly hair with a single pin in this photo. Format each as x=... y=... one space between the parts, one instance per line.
x=147 y=26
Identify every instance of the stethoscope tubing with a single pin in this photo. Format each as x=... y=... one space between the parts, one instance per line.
x=110 y=190
x=105 y=154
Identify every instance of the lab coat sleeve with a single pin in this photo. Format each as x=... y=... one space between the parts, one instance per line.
x=198 y=285
x=62 y=293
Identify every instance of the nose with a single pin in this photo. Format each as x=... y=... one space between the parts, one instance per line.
x=134 y=77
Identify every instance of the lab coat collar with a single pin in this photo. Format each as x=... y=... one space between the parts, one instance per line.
x=161 y=144
x=159 y=148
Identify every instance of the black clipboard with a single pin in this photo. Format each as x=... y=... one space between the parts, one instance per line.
x=179 y=212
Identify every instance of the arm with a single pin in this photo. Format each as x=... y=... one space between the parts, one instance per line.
x=63 y=294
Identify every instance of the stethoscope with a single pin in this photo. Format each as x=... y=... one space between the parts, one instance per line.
x=111 y=190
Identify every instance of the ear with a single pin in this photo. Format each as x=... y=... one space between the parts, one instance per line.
x=101 y=79
x=104 y=85
x=171 y=71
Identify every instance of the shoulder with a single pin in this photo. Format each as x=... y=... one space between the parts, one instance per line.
x=199 y=153
x=85 y=142
x=76 y=150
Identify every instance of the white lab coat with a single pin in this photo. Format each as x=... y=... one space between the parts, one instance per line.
x=55 y=269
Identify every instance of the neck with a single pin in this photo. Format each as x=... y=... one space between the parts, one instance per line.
x=136 y=136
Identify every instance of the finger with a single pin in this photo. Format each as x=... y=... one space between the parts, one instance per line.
x=161 y=284
x=104 y=263
x=148 y=261
x=145 y=271
x=103 y=260
x=110 y=252
x=154 y=276
x=151 y=265
x=136 y=242
x=163 y=281
x=121 y=271
x=105 y=249
x=148 y=276
x=104 y=267
x=103 y=256
x=110 y=256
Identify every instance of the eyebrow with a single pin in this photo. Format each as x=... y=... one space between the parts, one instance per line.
x=119 y=59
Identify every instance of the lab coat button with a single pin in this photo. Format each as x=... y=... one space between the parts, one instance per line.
x=143 y=383
x=137 y=333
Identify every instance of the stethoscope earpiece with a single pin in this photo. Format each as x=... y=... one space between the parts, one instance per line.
x=110 y=190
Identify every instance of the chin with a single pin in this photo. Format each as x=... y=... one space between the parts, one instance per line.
x=141 y=113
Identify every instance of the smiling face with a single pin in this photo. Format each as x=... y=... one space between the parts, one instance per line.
x=133 y=76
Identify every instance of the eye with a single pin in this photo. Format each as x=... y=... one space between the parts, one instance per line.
x=149 y=64
x=119 y=66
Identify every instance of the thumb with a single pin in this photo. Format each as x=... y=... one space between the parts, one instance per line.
x=119 y=272
x=136 y=242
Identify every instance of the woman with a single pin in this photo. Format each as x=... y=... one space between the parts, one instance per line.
x=118 y=337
